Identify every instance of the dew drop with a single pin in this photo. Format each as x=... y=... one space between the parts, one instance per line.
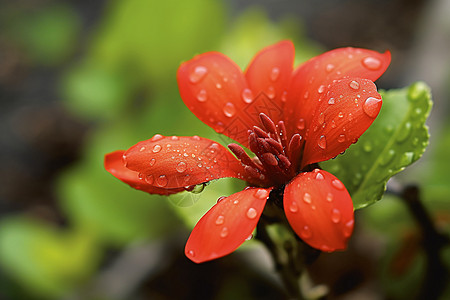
x=330 y=197
x=218 y=86
x=284 y=97
x=157 y=148
x=321 y=89
x=274 y=74
x=202 y=96
x=307 y=198
x=261 y=194
x=149 y=179
x=340 y=114
x=387 y=158
x=293 y=207
x=301 y=124
x=404 y=133
x=162 y=181
x=229 y=110
x=175 y=138
x=321 y=119
x=249 y=237
x=354 y=84
x=220 y=220
x=331 y=101
x=271 y=92
x=306 y=95
x=338 y=184
x=191 y=253
x=319 y=176
x=251 y=213
x=220 y=199
x=181 y=167
x=198 y=74
x=335 y=216
x=236 y=202
x=372 y=106
x=306 y=232
x=152 y=162
x=329 y=68
x=371 y=63
x=224 y=232
x=348 y=229
x=156 y=137
x=247 y=95
x=142 y=149
x=322 y=142
x=341 y=138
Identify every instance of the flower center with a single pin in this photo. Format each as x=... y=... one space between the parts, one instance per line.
x=277 y=158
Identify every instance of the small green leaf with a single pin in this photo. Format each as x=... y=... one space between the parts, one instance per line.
x=396 y=139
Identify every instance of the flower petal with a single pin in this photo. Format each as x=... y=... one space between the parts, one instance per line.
x=214 y=89
x=226 y=225
x=174 y=162
x=270 y=72
x=320 y=210
x=345 y=110
x=310 y=79
x=114 y=165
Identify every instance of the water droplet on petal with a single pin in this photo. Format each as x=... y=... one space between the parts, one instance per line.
x=202 y=96
x=220 y=220
x=307 y=198
x=198 y=74
x=274 y=74
x=162 y=181
x=338 y=184
x=191 y=253
x=218 y=86
x=348 y=229
x=322 y=142
x=229 y=110
x=236 y=202
x=372 y=106
x=341 y=138
x=301 y=124
x=220 y=199
x=329 y=68
x=306 y=232
x=319 y=176
x=330 y=197
x=354 y=84
x=340 y=114
x=224 y=232
x=271 y=92
x=335 y=216
x=181 y=167
x=152 y=162
x=321 y=118
x=371 y=63
x=293 y=207
x=247 y=95
x=321 y=89
x=175 y=138
x=149 y=179
x=262 y=194
x=249 y=237
x=157 y=148
x=331 y=101
x=156 y=137
x=251 y=213
x=306 y=95
x=284 y=97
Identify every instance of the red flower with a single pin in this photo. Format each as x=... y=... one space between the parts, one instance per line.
x=290 y=119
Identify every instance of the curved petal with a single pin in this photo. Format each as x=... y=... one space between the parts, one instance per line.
x=226 y=225
x=310 y=79
x=320 y=210
x=114 y=165
x=270 y=72
x=344 y=111
x=214 y=89
x=174 y=162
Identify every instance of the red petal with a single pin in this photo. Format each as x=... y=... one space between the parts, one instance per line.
x=214 y=89
x=270 y=72
x=320 y=210
x=174 y=162
x=345 y=110
x=310 y=79
x=114 y=165
x=226 y=225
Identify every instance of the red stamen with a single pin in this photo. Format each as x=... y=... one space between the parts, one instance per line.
x=268 y=123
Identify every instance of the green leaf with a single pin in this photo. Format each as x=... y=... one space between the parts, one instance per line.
x=396 y=139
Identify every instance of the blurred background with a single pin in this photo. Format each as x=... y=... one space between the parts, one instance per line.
x=79 y=79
